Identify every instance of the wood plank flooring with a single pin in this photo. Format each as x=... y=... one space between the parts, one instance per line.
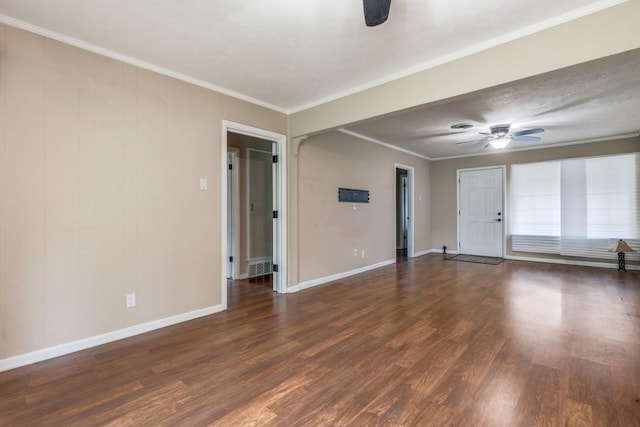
x=425 y=342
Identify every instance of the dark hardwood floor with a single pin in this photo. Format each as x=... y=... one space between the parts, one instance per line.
x=425 y=342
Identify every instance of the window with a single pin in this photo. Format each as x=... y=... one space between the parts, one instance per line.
x=575 y=207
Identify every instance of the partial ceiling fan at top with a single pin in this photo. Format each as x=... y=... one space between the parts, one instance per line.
x=499 y=136
x=376 y=12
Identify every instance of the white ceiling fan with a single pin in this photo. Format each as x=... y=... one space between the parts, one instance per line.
x=499 y=136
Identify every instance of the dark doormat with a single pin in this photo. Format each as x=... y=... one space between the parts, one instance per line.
x=475 y=258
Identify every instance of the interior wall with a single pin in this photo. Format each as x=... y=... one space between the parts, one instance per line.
x=444 y=177
x=329 y=231
x=100 y=164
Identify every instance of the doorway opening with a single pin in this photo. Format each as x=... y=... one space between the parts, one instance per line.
x=253 y=205
x=404 y=221
x=481 y=215
x=402 y=211
x=249 y=207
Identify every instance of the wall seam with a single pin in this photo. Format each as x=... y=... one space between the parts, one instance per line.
x=45 y=229
x=3 y=193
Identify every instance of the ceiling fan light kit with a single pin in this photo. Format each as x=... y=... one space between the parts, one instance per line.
x=376 y=12
x=500 y=131
x=500 y=142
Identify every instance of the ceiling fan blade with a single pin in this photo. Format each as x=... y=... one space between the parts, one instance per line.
x=485 y=133
x=528 y=132
x=526 y=138
x=376 y=12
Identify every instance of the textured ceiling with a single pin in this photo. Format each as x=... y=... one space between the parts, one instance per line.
x=594 y=100
x=289 y=54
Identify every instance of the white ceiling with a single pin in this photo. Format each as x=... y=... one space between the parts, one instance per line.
x=289 y=54
x=292 y=54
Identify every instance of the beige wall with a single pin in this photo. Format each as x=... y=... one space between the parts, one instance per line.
x=444 y=173
x=99 y=192
x=328 y=230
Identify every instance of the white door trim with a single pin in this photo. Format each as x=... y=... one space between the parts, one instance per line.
x=504 y=204
x=233 y=224
x=411 y=223
x=280 y=141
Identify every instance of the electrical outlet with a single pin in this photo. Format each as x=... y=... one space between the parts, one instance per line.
x=355 y=252
x=363 y=253
x=131 y=300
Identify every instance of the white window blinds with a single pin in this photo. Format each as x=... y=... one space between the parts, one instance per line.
x=535 y=207
x=576 y=207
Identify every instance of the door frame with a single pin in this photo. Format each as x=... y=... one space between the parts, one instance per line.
x=504 y=204
x=410 y=204
x=233 y=223
x=280 y=255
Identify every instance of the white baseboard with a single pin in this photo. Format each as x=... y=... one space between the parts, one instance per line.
x=427 y=252
x=83 y=344
x=612 y=264
x=420 y=253
x=322 y=280
x=449 y=252
x=292 y=289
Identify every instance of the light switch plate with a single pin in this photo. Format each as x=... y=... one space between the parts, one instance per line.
x=131 y=300
x=203 y=183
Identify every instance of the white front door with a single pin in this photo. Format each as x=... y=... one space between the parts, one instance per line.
x=481 y=215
